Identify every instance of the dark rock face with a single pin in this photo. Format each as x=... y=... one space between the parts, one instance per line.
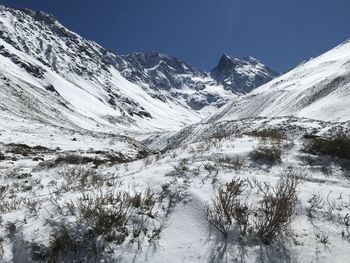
x=241 y=75
x=33 y=70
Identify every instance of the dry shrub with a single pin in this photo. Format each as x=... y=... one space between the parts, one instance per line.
x=227 y=208
x=179 y=170
x=272 y=134
x=98 y=219
x=336 y=147
x=1 y=246
x=105 y=214
x=10 y=204
x=267 y=153
x=21 y=149
x=315 y=202
x=144 y=202
x=97 y=223
x=76 y=159
x=25 y=150
x=277 y=208
x=82 y=178
x=232 y=162
x=33 y=206
x=267 y=221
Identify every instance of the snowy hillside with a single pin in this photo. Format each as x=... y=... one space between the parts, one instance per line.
x=92 y=206
x=71 y=82
x=317 y=89
x=118 y=158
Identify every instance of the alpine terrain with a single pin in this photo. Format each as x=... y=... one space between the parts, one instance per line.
x=145 y=158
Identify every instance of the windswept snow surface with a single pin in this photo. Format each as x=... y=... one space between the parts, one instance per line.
x=181 y=196
x=317 y=89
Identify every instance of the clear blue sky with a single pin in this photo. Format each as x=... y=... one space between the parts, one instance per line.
x=281 y=33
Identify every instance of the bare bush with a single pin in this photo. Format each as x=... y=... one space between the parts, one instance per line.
x=174 y=194
x=314 y=203
x=180 y=170
x=99 y=219
x=213 y=171
x=277 y=208
x=25 y=150
x=82 y=178
x=144 y=202
x=346 y=221
x=1 y=246
x=98 y=222
x=269 y=219
x=33 y=206
x=155 y=235
x=232 y=162
x=76 y=159
x=9 y=204
x=267 y=153
x=227 y=208
x=272 y=134
x=105 y=214
x=336 y=147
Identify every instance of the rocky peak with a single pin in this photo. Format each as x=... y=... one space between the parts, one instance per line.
x=241 y=75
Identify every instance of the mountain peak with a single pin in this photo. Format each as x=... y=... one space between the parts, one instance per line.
x=225 y=61
x=241 y=75
x=40 y=16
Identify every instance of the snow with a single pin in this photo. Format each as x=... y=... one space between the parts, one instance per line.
x=156 y=137
x=187 y=236
x=318 y=89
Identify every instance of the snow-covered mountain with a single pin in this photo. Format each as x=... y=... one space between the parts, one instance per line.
x=52 y=76
x=318 y=89
x=241 y=75
x=65 y=77
x=98 y=162
x=168 y=79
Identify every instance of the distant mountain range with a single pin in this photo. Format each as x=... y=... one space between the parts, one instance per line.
x=51 y=75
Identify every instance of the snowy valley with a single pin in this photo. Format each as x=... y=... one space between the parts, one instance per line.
x=145 y=158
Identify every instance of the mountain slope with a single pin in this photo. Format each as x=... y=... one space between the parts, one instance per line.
x=317 y=89
x=38 y=53
x=71 y=82
x=167 y=78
